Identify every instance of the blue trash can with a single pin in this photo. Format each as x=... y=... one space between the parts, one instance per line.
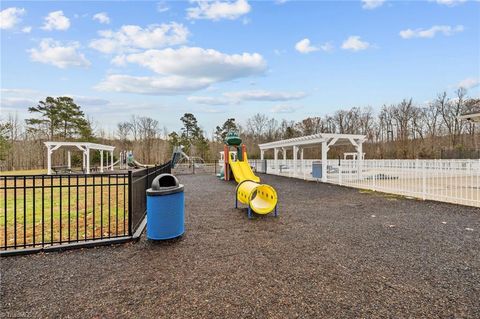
x=165 y=208
x=317 y=169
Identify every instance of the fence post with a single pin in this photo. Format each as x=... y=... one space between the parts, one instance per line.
x=424 y=181
x=130 y=203
x=340 y=174
x=374 y=178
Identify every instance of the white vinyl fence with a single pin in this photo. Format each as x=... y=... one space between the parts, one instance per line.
x=452 y=181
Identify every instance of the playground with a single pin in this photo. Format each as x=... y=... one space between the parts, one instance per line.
x=331 y=252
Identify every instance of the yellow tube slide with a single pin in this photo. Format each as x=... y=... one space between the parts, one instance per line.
x=261 y=198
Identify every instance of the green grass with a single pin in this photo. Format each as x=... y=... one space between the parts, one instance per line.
x=33 y=212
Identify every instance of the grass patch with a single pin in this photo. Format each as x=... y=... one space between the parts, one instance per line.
x=56 y=208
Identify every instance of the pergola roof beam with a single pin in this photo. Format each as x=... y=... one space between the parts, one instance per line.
x=338 y=139
x=474 y=116
x=93 y=146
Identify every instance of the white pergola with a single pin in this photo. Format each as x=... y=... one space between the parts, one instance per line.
x=85 y=147
x=325 y=140
x=473 y=117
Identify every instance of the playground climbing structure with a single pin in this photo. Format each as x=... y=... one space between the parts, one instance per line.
x=260 y=198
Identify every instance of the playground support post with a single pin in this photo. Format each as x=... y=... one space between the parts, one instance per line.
x=226 y=169
x=244 y=152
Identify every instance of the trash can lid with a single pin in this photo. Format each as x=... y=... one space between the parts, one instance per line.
x=165 y=184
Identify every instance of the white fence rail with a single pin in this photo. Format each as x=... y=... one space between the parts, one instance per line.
x=453 y=181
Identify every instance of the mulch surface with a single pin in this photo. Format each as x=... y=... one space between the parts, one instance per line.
x=333 y=252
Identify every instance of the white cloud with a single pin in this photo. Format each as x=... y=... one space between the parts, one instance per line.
x=211 y=110
x=260 y=95
x=58 y=54
x=154 y=85
x=327 y=47
x=130 y=38
x=19 y=92
x=88 y=100
x=56 y=21
x=27 y=29
x=372 y=4
x=450 y=3
x=199 y=63
x=16 y=102
x=10 y=17
x=218 y=10
x=354 y=43
x=119 y=60
x=430 y=33
x=469 y=83
x=280 y=1
x=304 y=46
x=241 y=96
x=210 y=100
x=285 y=108
x=162 y=7
x=182 y=70
x=102 y=17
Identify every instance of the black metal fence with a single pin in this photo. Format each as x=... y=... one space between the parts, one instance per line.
x=140 y=181
x=196 y=168
x=37 y=211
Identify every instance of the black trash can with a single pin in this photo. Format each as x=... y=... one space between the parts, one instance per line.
x=165 y=208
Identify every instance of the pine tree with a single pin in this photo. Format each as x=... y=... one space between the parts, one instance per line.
x=61 y=118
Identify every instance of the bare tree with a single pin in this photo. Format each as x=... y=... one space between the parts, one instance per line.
x=147 y=131
x=271 y=130
x=256 y=125
x=123 y=130
x=134 y=126
x=450 y=111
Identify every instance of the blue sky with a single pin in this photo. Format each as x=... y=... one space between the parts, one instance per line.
x=222 y=59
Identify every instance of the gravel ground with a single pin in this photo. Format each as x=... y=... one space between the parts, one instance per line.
x=333 y=252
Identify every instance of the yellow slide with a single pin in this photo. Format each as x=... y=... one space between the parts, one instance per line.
x=242 y=171
x=261 y=198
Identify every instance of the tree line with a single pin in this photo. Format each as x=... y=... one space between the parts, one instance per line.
x=401 y=130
